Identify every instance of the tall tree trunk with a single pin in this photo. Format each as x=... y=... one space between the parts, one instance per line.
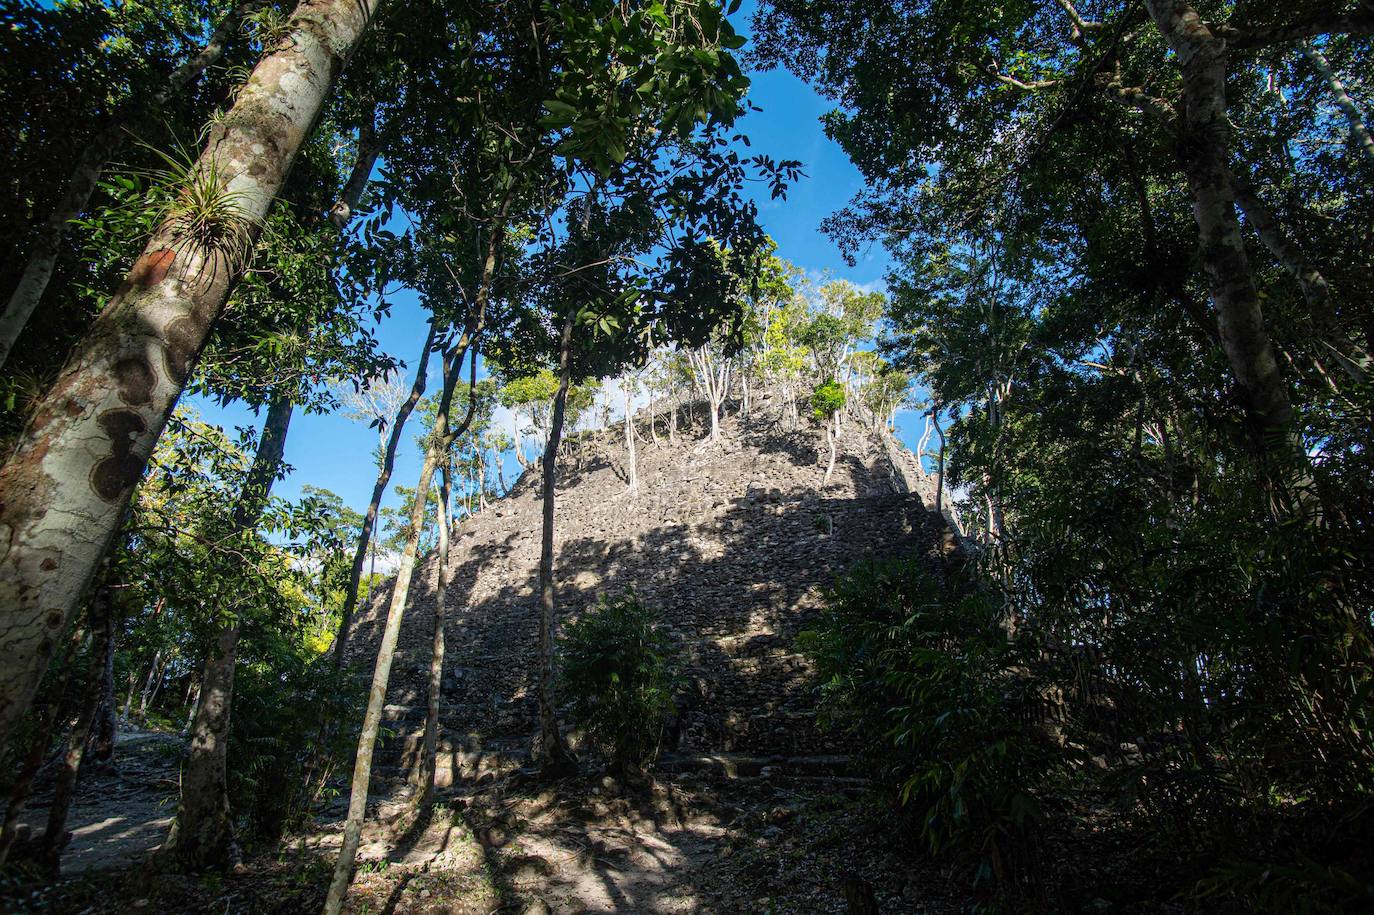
x=64 y=489
x=555 y=760
x=81 y=184
x=417 y=390
x=440 y=441
x=1204 y=149
x=1359 y=130
x=939 y=464
x=368 y=151
x=55 y=837
x=100 y=744
x=1310 y=279
x=632 y=472
x=148 y=684
x=429 y=748
x=830 y=441
x=202 y=834
x=45 y=721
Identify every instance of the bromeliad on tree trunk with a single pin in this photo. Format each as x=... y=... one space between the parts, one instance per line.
x=91 y=435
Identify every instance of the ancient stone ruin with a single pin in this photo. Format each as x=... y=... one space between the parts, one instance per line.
x=733 y=543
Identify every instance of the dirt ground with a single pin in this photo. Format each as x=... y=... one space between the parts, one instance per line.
x=689 y=843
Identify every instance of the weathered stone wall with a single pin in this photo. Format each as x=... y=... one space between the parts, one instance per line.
x=733 y=543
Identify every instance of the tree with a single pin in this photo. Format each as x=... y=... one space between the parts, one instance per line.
x=94 y=430
x=387 y=460
x=1025 y=77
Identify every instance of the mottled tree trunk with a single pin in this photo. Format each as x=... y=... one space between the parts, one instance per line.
x=417 y=390
x=555 y=760
x=91 y=435
x=81 y=184
x=202 y=834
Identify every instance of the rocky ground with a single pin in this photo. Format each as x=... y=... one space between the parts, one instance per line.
x=706 y=835
x=754 y=810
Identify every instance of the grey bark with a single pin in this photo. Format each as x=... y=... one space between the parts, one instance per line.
x=429 y=748
x=1311 y=280
x=368 y=151
x=632 y=472
x=64 y=489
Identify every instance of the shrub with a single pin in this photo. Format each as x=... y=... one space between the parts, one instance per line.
x=618 y=671
x=920 y=675
x=284 y=743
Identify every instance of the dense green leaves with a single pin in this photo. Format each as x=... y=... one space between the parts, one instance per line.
x=619 y=672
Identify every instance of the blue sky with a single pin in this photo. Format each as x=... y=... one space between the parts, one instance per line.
x=336 y=454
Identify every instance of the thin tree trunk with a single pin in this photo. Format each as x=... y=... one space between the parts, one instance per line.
x=151 y=699
x=555 y=760
x=632 y=473
x=440 y=442
x=101 y=743
x=129 y=690
x=81 y=184
x=368 y=151
x=1314 y=286
x=1359 y=130
x=46 y=721
x=64 y=489
x=1204 y=151
x=417 y=390
x=148 y=683
x=653 y=417
x=202 y=834
x=830 y=441
x=424 y=773
x=55 y=837
x=940 y=465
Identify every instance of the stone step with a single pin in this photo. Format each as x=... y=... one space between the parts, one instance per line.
x=737 y=765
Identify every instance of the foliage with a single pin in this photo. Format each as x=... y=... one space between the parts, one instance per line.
x=618 y=670
x=827 y=400
x=916 y=670
x=283 y=703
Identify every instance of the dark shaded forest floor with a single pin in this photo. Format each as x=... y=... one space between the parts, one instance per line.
x=697 y=841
